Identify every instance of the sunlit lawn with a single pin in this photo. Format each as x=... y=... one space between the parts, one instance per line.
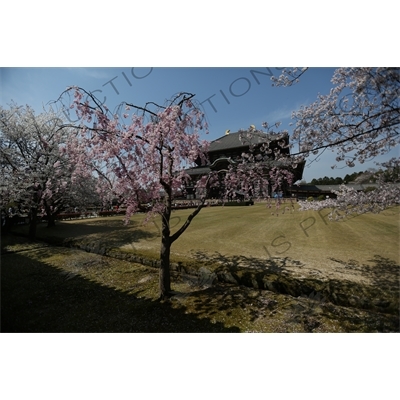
x=255 y=232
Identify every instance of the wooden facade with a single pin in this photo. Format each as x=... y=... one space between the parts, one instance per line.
x=228 y=150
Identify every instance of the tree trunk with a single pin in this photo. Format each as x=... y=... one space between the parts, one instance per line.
x=165 y=277
x=51 y=220
x=33 y=223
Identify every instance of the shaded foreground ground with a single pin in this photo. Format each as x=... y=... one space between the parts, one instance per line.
x=56 y=289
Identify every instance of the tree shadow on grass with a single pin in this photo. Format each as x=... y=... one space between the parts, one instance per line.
x=263 y=310
x=271 y=274
x=382 y=272
x=284 y=276
x=235 y=262
x=115 y=233
x=36 y=297
x=230 y=299
x=104 y=233
x=383 y=275
x=263 y=284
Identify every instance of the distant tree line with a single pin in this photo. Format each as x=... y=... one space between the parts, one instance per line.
x=327 y=181
x=372 y=175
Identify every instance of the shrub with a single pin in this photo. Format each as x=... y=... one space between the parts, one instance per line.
x=63 y=216
x=239 y=203
x=110 y=213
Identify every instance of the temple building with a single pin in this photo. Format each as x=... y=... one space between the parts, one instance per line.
x=228 y=150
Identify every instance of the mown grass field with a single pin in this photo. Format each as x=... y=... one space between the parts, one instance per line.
x=308 y=238
x=48 y=288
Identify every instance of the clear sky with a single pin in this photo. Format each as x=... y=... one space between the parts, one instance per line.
x=232 y=98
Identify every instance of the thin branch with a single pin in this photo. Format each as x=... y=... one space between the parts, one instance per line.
x=189 y=219
x=141 y=108
x=343 y=140
x=94 y=98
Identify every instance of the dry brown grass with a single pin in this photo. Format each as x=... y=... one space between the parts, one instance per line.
x=308 y=239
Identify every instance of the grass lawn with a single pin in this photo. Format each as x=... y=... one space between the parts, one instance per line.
x=245 y=234
x=57 y=289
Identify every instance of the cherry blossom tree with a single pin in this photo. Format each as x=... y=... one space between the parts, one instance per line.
x=141 y=154
x=83 y=193
x=36 y=172
x=359 y=119
x=349 y=201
